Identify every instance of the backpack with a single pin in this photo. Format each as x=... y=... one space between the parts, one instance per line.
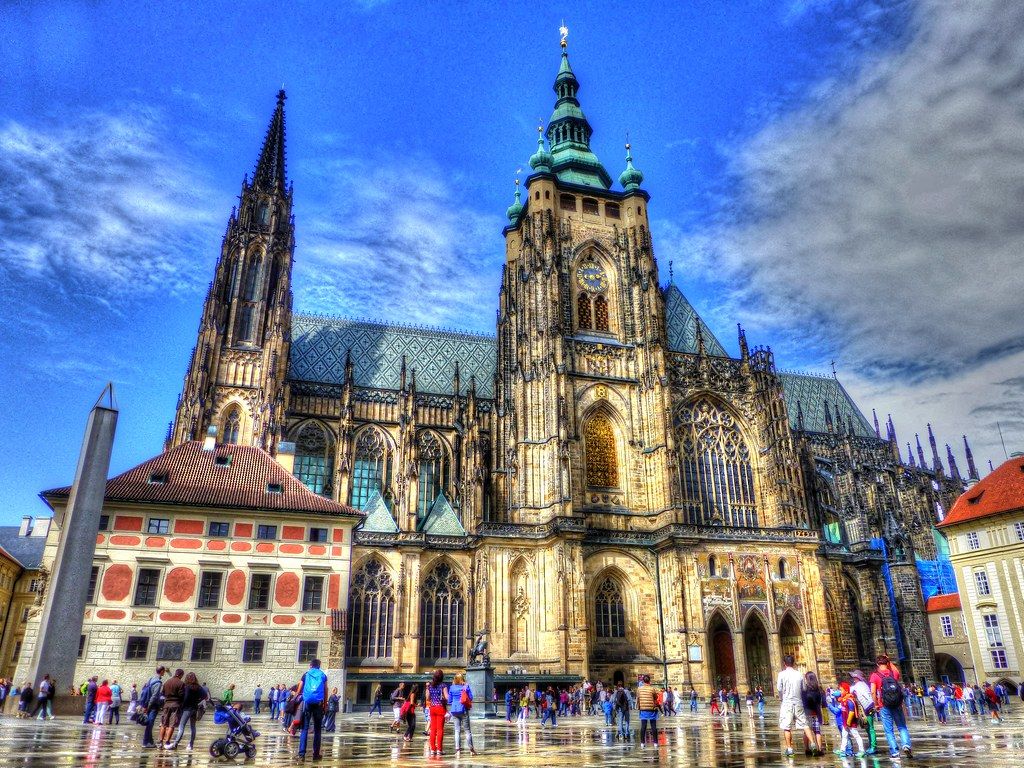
x=148 y=693
x=466 y=698
x=891 y=692
x=940 y=696
x=621 y=700
x=313 y=686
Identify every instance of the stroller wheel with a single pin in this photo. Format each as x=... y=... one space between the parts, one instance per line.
x=217 y=748
x=231 y=748
x=250 y=751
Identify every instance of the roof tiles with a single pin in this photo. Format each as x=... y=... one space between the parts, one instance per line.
x=1000 y=491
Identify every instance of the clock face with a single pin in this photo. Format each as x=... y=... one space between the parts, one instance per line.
x=592 y=278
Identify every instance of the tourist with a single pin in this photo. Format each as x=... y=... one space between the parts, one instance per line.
x=90 y=699
x=228 y=697
x=192 y=698
x=622 y=705
x=103 y=698
x=524 y=707
x=45 y=685
x=378 y=694
x=791 y=711
x=149 y=702
x=750 y=704
x=461 y=697
x=835 y=708
x=313 y=688
x=889 y=698
x=969 y=698
x=548 y=707
x=4 y=689
x=813 y=698
x=759 y=698
x=437 y=697
x=694 y=700
x=257 y=698
x=647 y=697
x=668 y=702
x=291 y=712
x=862 y=691
x=994 y=703
x=174 y=690
x=333 y=705
x=25 y=697
x=133 y=701
x=608 y=706
x=115 y=703
x=939 y=701
x=408 y=713
x=851 y=723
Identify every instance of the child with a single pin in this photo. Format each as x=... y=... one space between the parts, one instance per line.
x=849 y=707
x=524 y=707
x=832 y=702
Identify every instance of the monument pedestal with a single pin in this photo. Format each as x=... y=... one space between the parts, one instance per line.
x=481 y=682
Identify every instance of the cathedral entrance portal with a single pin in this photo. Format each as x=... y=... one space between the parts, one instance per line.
x=723 y=656
x=755 y=647
x=791 y=638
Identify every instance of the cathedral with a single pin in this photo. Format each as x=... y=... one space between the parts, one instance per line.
x=601 y=486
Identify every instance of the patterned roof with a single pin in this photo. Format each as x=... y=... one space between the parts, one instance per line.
x=378 y=516
x=812 y=392
x=319 y=345
x=27 y=550
x=681 y=319
x=442 y=520
x=190 y=476
x=999 y=491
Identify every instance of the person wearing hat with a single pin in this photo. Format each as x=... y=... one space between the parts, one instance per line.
x=862 y=691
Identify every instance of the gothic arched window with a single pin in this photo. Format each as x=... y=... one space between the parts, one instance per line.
x=592 y=302
x=600 y=313
x=371 y=611
x=232 y=426
x=601 y=454
x=433 y=471
x=610 y=610
x=372 y=470
x=314 y=458
x=252 y=279
x=245 y=324
x=584 y=319
x=716 y=476
x=442 y=615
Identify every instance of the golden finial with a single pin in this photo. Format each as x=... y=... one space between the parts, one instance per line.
x=564 y=32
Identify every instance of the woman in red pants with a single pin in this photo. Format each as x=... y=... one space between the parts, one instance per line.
x=437 y=698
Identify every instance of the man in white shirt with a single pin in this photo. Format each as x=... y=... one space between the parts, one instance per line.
x=789 y=685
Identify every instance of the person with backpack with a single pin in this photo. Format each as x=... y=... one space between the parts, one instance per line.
x=889 y=698
x=150 y=701
x=461 y=697
x=115 y=703
x=192 y=697
x=397 y=701
x=622 y=704
x=549 y=708
x=866 y=699
x=25 y=697
x=91 y=686
x=994 y=702
x=940 y=701
x=333 y=705
x=789 y=686
x=257 y=699
x=313 y=689
x=850 y=711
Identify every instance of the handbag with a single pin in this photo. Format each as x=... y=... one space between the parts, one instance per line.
x=465 y=700
x=404 y=711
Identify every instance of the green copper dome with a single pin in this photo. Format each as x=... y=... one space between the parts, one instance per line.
x=542 y=159
x=630 y=178
x=516 y=208
x=569 y=135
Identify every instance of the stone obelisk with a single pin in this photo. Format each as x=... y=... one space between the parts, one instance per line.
x=60 y=623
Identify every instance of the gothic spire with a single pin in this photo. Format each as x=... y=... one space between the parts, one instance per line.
x=972 y=470
x=799 y=416
x=920 y=452
x=890 y=430
x=828 y=417
x=954 y=471
x=874 y=416
x=270 y=171
x=936 y=461
x=910 y=456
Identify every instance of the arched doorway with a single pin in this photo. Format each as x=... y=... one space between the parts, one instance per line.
x=791 y=638
x=948 y=669
x=619 y=677
x=722 y=663
x=755 y=648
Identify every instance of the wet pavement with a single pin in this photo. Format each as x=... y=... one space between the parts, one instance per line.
x=691 y=740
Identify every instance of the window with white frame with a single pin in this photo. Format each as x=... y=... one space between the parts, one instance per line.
x=1018 y=529
x=947 y=626
x=981 y=582
x=994 y=636
x=972 y=541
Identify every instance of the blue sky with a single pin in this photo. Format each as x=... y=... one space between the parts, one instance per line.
x=844 y=178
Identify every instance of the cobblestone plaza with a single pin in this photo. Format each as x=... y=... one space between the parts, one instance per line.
x=697 y=740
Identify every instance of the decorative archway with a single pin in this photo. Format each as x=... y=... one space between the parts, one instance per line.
x=722 y=655
x=756 y=649
x=948 y=669
x=791 y=639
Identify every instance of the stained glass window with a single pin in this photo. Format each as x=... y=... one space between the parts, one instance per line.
x=601 y=455
x=314 y=458
x=610 y=610
x=433 y=472
x=583 y=318
x=716 y=475
x=371 y=611
x=442 y=614
x=372 y=470
x=252 y=276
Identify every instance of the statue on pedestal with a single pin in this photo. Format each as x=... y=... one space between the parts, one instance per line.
x=478 y=656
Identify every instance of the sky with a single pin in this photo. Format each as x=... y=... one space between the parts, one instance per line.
x=845 y=178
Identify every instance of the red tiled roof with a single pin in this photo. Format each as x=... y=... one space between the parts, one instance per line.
x=191 y=477
x=938 y=603
x=1000 y=491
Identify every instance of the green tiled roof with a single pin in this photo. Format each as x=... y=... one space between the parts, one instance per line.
x=319 y=345
x=378 y=517
x=442 y=520
x=812 y=393
x=681 y=319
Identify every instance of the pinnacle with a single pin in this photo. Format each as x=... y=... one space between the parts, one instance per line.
x=270 y=169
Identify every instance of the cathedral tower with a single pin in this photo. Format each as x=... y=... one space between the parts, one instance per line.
x=235 y=379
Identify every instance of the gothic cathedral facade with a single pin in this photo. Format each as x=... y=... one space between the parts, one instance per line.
x=601 y=487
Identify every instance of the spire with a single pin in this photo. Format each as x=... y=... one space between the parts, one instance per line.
x=874 y=416
x=828 y=418
x=890 y=429
x=569 y=133
x=936 y=461
x=516 y=208
x=800 y=416
x=541 y=160
x=910 y=456
x=954 y=471
x=630 y=178
x=972 y=470
x=990 y=467
x=744 y=349
x=270 y=171
x=701 y=349
x=920 y=453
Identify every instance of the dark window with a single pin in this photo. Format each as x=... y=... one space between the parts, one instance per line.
x=202 y=649
x=224 y=460
x=137 y=649
x=782 y=569
x=232 y=427
x=158 y=525
x=584 y=318
x=146 y=585
x=94 y=577
x=611 y=210
x=567 y=202
x=17 y=651
x=252 y=651
x=219 y=529
x=372 y=611
x=275 y=488
x=307 y=650
x=259 y=592
x=104 y=522
x=318 y=534
x=433 y=474
x=547 y=194
x=267 y=532
x=168 y=651
x=600 y=313
x=590 y=206
x=712 y=566
x=609 y=610
x=442 y=612
x=81 y=648
x=209 y=589
x=158 y=478
x=313 y=593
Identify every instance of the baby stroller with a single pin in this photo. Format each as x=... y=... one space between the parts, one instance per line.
x=241 y=737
